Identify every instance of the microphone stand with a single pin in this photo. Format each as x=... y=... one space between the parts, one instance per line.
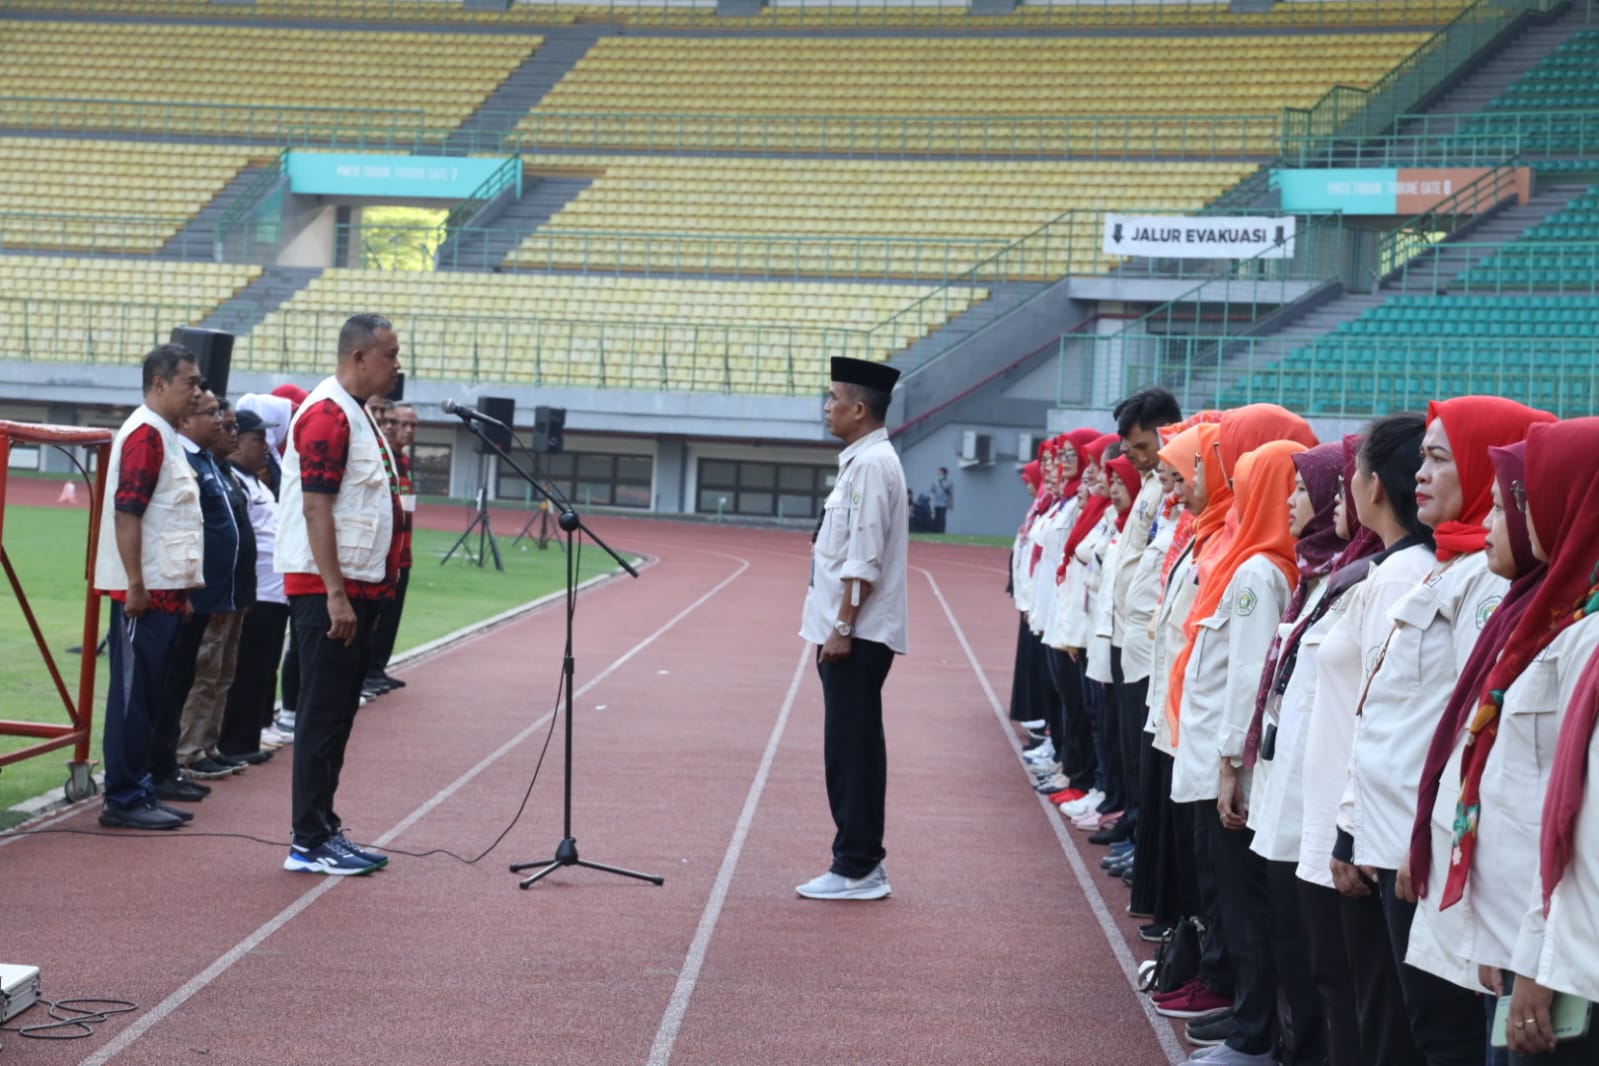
x=571 y=524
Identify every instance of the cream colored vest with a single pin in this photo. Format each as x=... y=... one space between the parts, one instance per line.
x=173 y=543
x=363 y=511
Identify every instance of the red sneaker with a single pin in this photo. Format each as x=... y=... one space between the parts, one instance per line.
x=1200 y=1000
x=1066 y=795
x=1177 y=993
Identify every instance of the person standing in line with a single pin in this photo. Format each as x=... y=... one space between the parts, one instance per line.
x=338 y=554
x=943 y=498
x=229 y=592
x=146 y=560
x=856 y=613
x=247 y=721
x=398 y=423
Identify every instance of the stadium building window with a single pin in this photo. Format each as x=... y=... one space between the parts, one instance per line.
x=766 y=490
x=590 y=479
x=430 y=469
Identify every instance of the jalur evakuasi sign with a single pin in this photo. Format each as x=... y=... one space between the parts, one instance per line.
x=1211 y=237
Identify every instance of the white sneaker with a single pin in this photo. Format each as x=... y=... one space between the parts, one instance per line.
x=1077 y=808
x=1058 y=783
x=284 y=722
x=1033 y=726
x=275 y=736
x=833 y=886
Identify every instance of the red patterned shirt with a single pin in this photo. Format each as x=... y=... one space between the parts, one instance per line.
x=142 y=454
x=322 y=439
x=403 y=463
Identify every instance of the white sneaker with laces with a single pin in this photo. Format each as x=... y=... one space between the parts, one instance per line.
x=1035 y=724
x=834 y=886
x=1077 y=808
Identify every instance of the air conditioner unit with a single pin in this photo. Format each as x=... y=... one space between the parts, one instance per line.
x=977 y=449
x=1026 y=448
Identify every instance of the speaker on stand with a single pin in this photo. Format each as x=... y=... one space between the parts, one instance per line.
x=213 y=352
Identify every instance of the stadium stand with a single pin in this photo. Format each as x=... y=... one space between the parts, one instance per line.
x=1545 y=106
x=94 y=184
x=605 y=332
x=93 y=76
x=1560 y=251
x=910 y=217
x=937 y=78
x=105 y=310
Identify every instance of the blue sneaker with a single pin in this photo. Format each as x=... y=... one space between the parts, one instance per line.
x=376 y=858
x=331 y=856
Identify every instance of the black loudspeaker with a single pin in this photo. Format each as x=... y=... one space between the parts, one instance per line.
x=397 y=394
x=213 y=351
x=502 y=408
x=549 y=429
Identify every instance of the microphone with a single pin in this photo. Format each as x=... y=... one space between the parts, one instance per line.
x=472 y=414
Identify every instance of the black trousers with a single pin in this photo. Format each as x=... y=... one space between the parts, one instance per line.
x=255 y=679
x=387 y=630
x=939 y=514
x=1074 y=738
x=1104 y=706
x=140 y=649
x=1246 y=928
x=1132 y=699
x=1305 y=1026
x=1445 y=1019
x=290 y=676
x=1158 y=869
x=174 y=693
x=1196 y=825
x=1385 y=1034
x=1320 y=917
x=1032 y=692
x=331 y=674
x=855 y=754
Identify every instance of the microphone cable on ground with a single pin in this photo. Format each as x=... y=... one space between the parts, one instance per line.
x=71 y=1019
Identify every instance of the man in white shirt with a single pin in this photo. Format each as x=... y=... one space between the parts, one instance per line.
x=855 y=611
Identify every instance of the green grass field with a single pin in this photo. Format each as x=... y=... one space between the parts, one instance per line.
x=46 y=547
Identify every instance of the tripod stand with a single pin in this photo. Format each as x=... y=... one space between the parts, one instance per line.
x=541 y=517
x=480 y=524
x=570 y=524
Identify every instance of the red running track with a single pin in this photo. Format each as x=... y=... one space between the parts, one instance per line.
x=698 y=757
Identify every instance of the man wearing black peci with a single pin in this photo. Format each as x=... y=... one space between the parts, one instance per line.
x=855 y=611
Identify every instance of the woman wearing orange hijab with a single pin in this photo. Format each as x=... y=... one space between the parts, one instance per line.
x=1232 y=624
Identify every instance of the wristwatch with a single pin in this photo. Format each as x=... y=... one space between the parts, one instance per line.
x=843 y=628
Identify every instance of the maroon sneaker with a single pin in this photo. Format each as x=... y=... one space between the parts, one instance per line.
x=1177 y=993
x=1199 y=1001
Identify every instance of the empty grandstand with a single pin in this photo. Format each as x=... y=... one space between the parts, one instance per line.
x=666 y=217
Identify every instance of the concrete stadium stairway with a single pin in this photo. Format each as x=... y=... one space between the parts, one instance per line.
x=493 y=236
x=521 y=92
x=197 y=239
x=275 y=287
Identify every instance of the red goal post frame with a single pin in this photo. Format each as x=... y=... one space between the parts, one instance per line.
x=80 y=711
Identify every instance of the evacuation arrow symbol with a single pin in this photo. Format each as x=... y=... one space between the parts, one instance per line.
x=1116 y=233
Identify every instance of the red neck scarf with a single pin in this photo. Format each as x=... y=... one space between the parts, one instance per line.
x=1474 y=424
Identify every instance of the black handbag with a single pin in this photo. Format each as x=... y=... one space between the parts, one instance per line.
x=1176 y=958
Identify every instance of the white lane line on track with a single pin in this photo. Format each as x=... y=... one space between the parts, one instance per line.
x=688 y=976
x=197 y=983
x=1096 y=902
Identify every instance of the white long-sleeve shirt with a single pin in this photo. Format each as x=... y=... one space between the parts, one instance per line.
x=1347 y=652
x=1435 y=626
x=1181 y=588
x=1223 y=677
x=1276 y=797
x=1483 y=928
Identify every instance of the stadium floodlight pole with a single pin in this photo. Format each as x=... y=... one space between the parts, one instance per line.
x=572 y=525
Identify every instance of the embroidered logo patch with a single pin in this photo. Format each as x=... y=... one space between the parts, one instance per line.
x=1246 y=603
x=1485 y=610
x=855 y=499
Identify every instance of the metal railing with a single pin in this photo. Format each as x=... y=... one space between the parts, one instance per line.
x=1428 y=149
x=91 y=331
x=97 y=234
x=354 y=127
x=1192 y=137
x=247 y=228
x=795 y=14
x=1522 y=266
x=1345 y=376
x=1400 y=245
x=1353 y=113
x=507 y=176
x=1545 y=131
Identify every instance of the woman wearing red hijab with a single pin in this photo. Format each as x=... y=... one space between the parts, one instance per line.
x=1492 y=753
x=1434 y=629
x=1028 y=665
